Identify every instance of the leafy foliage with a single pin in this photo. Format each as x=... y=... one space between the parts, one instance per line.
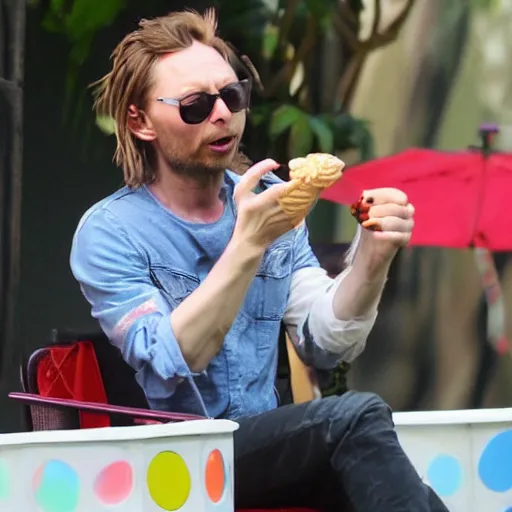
x=323 y=132
x=298 y=110
x=286 y=118
x=80 y=21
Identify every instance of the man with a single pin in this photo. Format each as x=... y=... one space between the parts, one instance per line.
x=190 y=273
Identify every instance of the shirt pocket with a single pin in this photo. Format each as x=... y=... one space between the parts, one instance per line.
x=268 y=294
x=174 y=284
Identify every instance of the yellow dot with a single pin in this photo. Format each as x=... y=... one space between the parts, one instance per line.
x=168 y=481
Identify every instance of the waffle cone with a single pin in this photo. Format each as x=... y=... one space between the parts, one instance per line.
x=315 y=173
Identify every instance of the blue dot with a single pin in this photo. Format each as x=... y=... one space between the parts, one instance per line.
x=494 y=467
x=56 y=487
x=445 y=475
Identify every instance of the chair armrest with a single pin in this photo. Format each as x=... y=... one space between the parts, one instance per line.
x=94 y=407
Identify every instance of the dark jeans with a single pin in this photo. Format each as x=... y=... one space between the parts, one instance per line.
x=336 y=454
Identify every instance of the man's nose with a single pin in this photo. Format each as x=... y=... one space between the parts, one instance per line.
x=220 y=112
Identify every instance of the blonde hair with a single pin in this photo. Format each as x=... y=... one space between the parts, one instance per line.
x=130 y=79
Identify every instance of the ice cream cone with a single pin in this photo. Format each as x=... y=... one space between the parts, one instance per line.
x=315 y=172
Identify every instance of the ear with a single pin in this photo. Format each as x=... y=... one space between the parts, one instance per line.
x=140 y=125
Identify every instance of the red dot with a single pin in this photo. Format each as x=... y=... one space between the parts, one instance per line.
x=38 y=478
x=215 y=476
x=114 y=484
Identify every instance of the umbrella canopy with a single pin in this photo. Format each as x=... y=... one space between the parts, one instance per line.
x=460 y=197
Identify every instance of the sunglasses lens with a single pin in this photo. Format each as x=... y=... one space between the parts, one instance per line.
x=197 y=108
x=236 y=96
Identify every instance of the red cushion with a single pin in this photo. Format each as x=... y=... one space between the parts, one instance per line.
x=72 y=371
x=277 y=510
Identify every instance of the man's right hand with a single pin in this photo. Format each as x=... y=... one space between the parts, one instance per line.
x=260 y=218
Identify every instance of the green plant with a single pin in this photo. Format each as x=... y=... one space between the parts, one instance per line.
x=301 y=107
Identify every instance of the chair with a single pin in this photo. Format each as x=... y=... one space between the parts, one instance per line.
x=113 y=397
x=112 y=390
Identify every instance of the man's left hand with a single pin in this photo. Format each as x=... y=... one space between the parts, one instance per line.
x=387 y=216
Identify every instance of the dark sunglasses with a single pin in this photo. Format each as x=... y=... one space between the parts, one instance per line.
x=196 y=107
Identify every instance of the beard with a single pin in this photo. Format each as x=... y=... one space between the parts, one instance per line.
x=198 y=171
x=204 y=171
x=201 y=170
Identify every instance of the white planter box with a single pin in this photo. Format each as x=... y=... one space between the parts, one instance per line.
x=186 y=466
x=466 y=456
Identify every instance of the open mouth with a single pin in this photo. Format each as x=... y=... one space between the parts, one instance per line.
x=221 y=142
x=223 y=145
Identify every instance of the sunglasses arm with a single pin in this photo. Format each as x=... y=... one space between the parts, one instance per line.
x=169 y=101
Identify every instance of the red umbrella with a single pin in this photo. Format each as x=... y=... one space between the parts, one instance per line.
x=461 y=200
x=460 y=197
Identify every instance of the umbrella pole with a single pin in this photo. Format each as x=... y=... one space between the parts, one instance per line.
x=495 y=302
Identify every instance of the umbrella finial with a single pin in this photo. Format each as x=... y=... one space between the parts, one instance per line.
x=487 y=131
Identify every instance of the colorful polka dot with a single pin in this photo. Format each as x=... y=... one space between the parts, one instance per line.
x=495 y=463
x=168 y=481
x=445 y=475
x=5 y=483
x=56 y=487
x=215 y=476
x=114 y=483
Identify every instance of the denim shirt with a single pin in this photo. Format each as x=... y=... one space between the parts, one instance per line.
x=136 y=261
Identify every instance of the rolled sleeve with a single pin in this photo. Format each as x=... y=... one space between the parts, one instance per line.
x=338 y=340
x=321 y=340
x=115 y=279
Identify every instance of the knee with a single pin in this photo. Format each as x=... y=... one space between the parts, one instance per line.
x=358 y=406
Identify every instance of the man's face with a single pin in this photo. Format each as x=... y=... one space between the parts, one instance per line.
x=190 y=149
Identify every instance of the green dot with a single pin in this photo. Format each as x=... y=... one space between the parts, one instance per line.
x=4 y=481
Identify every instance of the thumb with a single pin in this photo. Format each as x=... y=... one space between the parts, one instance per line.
x=251 y=178
x=276 y=192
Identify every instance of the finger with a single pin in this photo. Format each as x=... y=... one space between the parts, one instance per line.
x=390 y=210
x=390 y=224
x=385 y=195
x=275 y=192
x=251 y=178
x=372 y=224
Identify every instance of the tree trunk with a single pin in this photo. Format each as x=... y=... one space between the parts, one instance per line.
x=12 y=44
